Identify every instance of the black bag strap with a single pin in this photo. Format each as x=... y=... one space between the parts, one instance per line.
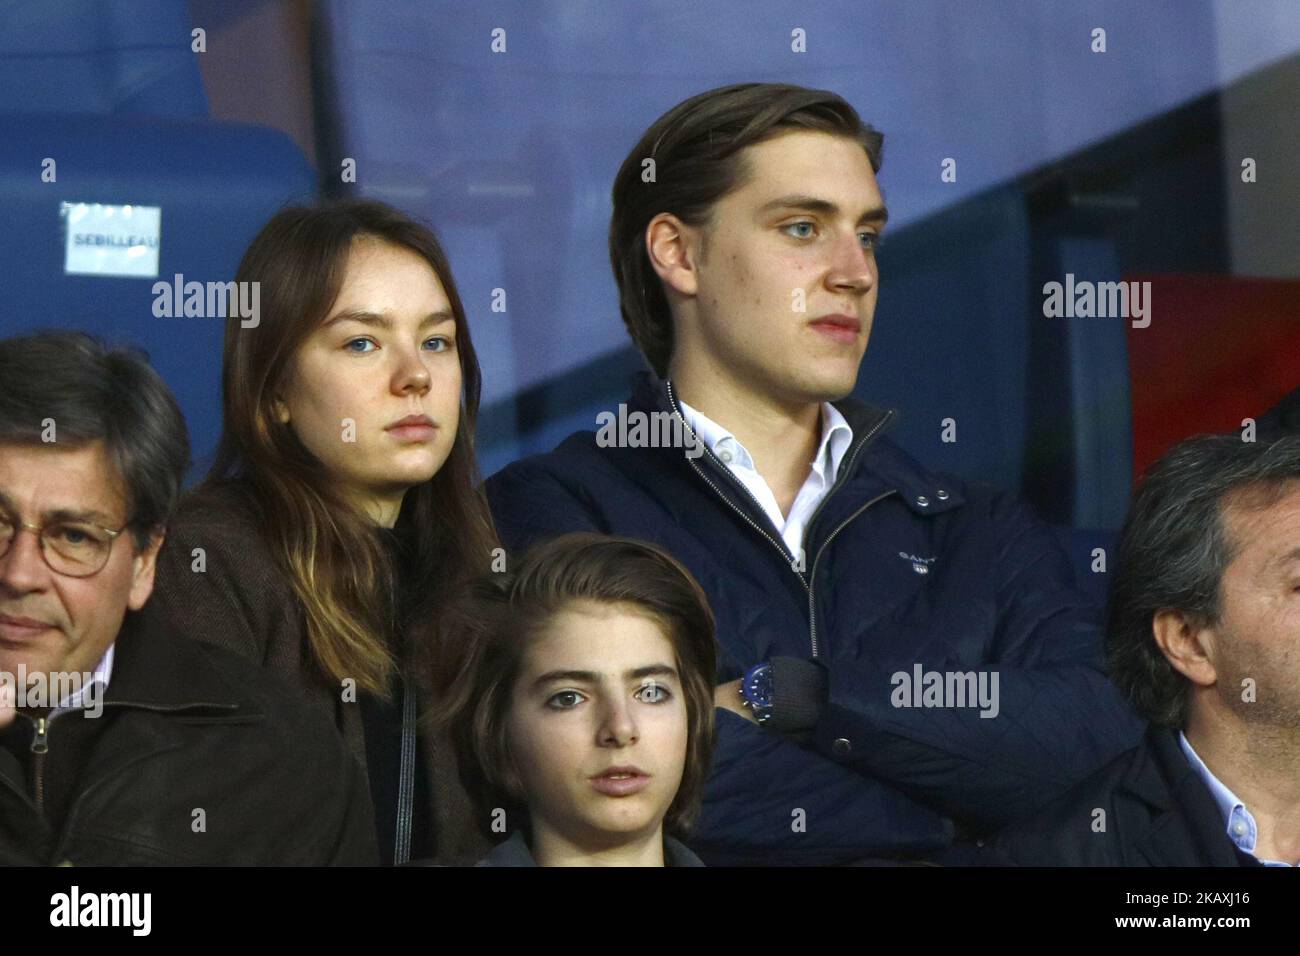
x=406 y=778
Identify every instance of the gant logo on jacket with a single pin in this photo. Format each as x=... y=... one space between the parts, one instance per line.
x=919 y=565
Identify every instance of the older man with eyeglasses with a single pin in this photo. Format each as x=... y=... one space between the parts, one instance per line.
x=119 y=743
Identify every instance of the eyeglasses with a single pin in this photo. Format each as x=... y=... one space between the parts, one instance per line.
x=77 y=549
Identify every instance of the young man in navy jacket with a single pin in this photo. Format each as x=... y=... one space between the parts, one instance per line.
x=903 y=660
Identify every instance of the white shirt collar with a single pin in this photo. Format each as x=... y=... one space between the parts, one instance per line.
x=837 y=435
x=103 y=671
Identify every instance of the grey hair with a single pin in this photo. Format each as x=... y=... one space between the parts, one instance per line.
x=1174 y=550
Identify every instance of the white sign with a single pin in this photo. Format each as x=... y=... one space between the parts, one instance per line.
x=111 y=240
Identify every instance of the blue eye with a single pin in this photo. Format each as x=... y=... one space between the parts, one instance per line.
x=800 y=225
x=362 y=341
x=653 y=694
x=565 y=700
x=871 y=240
x=443 y=340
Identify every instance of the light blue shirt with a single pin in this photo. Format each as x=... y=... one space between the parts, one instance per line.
x=1239 y=821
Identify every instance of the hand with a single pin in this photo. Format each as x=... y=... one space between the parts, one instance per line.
x=727 y=696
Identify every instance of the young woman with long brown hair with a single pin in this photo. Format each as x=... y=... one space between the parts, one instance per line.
x=343 y=506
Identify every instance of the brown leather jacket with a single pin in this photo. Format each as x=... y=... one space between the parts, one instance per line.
x=243 y=602
x=197 y=758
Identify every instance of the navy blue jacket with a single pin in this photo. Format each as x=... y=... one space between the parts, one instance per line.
x=902 y=567
x=1158 y=812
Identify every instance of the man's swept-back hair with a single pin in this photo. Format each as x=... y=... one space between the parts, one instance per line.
x=69 y=387
x=488 y=627
x=688 y=160
x=1174 y=550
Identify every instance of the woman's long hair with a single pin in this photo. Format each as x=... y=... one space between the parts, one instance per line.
x=336 y=564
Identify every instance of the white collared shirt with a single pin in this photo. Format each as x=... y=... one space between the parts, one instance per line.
x=1239 y=821
x=77 y=700
x=835 y=441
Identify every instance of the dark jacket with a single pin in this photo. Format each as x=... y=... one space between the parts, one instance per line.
x=515 y=852
x=1157 y=812
x=188 y=728
x=904 y=567
x=243 y=602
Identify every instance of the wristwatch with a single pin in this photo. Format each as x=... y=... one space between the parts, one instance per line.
x=756 y=691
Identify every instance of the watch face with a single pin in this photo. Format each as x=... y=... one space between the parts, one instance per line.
x=758 y=687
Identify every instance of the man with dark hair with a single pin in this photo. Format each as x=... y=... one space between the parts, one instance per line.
x=1204 y=622
x=863 y=602
x=121 y=743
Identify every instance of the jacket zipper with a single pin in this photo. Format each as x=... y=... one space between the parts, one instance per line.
x=812 y=574
x=846 y=468
x=785 y=553
x=40 y=747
